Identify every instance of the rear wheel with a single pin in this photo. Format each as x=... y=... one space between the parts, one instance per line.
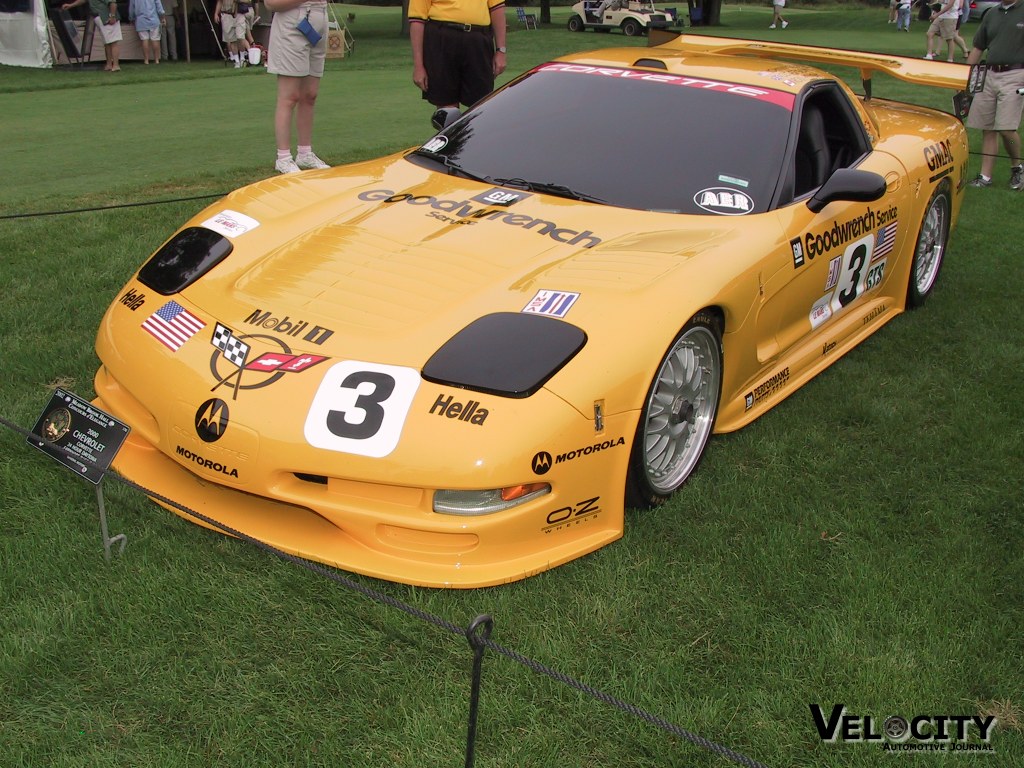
x=930 y=248
x=631 y=28
x=575 y=24
x=678 y=415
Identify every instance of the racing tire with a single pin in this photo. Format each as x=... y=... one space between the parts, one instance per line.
x=679 y=413
x=930 y=248
x=575 y=24
x=631 y=28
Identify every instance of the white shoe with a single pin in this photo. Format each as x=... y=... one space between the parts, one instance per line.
x=772 y=27
x=785 y=24
x=929 y=56
x=286 y=165
x=310 y=160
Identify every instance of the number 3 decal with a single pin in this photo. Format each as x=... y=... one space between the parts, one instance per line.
x=360 y=408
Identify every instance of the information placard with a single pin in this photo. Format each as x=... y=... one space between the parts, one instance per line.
x=89 y=437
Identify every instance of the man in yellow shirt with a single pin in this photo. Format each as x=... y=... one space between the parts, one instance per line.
x=458 y=49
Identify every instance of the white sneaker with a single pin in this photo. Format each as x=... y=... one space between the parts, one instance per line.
x=772 y=27
x=785 y=24
x=310 y=160
x=286 y=165
x=929 y=56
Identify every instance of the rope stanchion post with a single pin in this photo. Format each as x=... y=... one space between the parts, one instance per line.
x=478 y=633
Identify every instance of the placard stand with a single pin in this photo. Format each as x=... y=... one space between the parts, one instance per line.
x=84 y=439
x=121 y=538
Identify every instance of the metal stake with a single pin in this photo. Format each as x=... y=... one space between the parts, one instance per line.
x=478 y=642
x=107 y=540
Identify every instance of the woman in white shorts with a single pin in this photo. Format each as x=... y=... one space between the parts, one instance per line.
x=777 y=6
x=299 y=64
x=105 y=16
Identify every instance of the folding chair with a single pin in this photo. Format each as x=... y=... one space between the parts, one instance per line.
x=528 y=20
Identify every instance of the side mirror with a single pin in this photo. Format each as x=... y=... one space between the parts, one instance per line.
x=848 y=184
x=444 y=117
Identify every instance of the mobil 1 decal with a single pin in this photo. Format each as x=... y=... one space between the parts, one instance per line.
x=857 y=251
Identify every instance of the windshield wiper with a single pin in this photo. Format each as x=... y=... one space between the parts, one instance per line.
x=451 y=165
x=550 y=188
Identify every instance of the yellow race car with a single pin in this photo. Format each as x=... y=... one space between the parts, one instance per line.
x=456 y=366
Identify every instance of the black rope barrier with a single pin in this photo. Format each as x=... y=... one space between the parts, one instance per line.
x=478 y=633
x=114 y=207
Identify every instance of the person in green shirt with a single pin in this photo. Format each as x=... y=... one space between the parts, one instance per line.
x=997 y=109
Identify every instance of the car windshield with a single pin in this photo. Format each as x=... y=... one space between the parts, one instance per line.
x=626 y=137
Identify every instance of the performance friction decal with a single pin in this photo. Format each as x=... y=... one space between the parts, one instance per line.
x=779 y=98
x=464 y=212
x=767 y=388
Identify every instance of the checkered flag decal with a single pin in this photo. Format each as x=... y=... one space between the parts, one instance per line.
x=234 y=350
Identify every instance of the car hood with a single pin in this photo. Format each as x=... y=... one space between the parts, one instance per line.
x=390 y=259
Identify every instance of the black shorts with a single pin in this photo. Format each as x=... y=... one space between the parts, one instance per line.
x=459 y=64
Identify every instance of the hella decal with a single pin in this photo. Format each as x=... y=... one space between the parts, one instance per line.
x=465 y=211
x=727 y=202
x=133 y=299
x=469 y=411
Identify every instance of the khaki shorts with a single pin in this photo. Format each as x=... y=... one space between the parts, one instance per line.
x=946 y=28
x=232 y=27
x=111 y=33
x=149 y=34
x=290 y=53
x=998 y=107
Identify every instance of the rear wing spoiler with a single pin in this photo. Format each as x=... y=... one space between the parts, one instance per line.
x=918 y=71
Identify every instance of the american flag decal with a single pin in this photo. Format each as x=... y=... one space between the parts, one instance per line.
x=885 y=240
x=172 y=325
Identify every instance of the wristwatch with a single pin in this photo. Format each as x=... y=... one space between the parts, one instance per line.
x=503 y=49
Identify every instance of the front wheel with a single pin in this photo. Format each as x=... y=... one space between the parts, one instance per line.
x=631 y=28
x=678 y=415
x=575 y=24
x=930 y=248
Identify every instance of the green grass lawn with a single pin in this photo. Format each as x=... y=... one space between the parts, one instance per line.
x=860 y=544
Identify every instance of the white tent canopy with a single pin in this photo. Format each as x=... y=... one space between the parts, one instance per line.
x=24 y=36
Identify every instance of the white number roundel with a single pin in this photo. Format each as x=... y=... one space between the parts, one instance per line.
x=361 y=408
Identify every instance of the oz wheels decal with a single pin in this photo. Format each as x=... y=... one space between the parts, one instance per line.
x=361 y=408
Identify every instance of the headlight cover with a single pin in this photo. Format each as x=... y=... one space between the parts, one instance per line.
x=183 y=259
x=505 y=353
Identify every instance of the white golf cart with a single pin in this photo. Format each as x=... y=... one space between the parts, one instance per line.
x=633 y=17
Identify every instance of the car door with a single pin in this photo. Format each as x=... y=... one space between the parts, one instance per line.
x=828 y=262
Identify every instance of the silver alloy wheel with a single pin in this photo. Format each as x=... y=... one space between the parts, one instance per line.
x=931 y=245
x=680 y=412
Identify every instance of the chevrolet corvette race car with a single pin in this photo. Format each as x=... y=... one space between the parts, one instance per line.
x=456 y=366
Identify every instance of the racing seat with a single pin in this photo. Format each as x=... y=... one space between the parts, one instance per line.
x=813 y=156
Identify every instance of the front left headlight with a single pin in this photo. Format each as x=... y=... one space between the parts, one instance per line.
x=487 y=502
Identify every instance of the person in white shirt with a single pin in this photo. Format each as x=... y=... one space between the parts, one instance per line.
x=944 y=25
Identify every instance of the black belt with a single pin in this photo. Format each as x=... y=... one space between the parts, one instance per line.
x=1004 y=67
x=461 y=27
